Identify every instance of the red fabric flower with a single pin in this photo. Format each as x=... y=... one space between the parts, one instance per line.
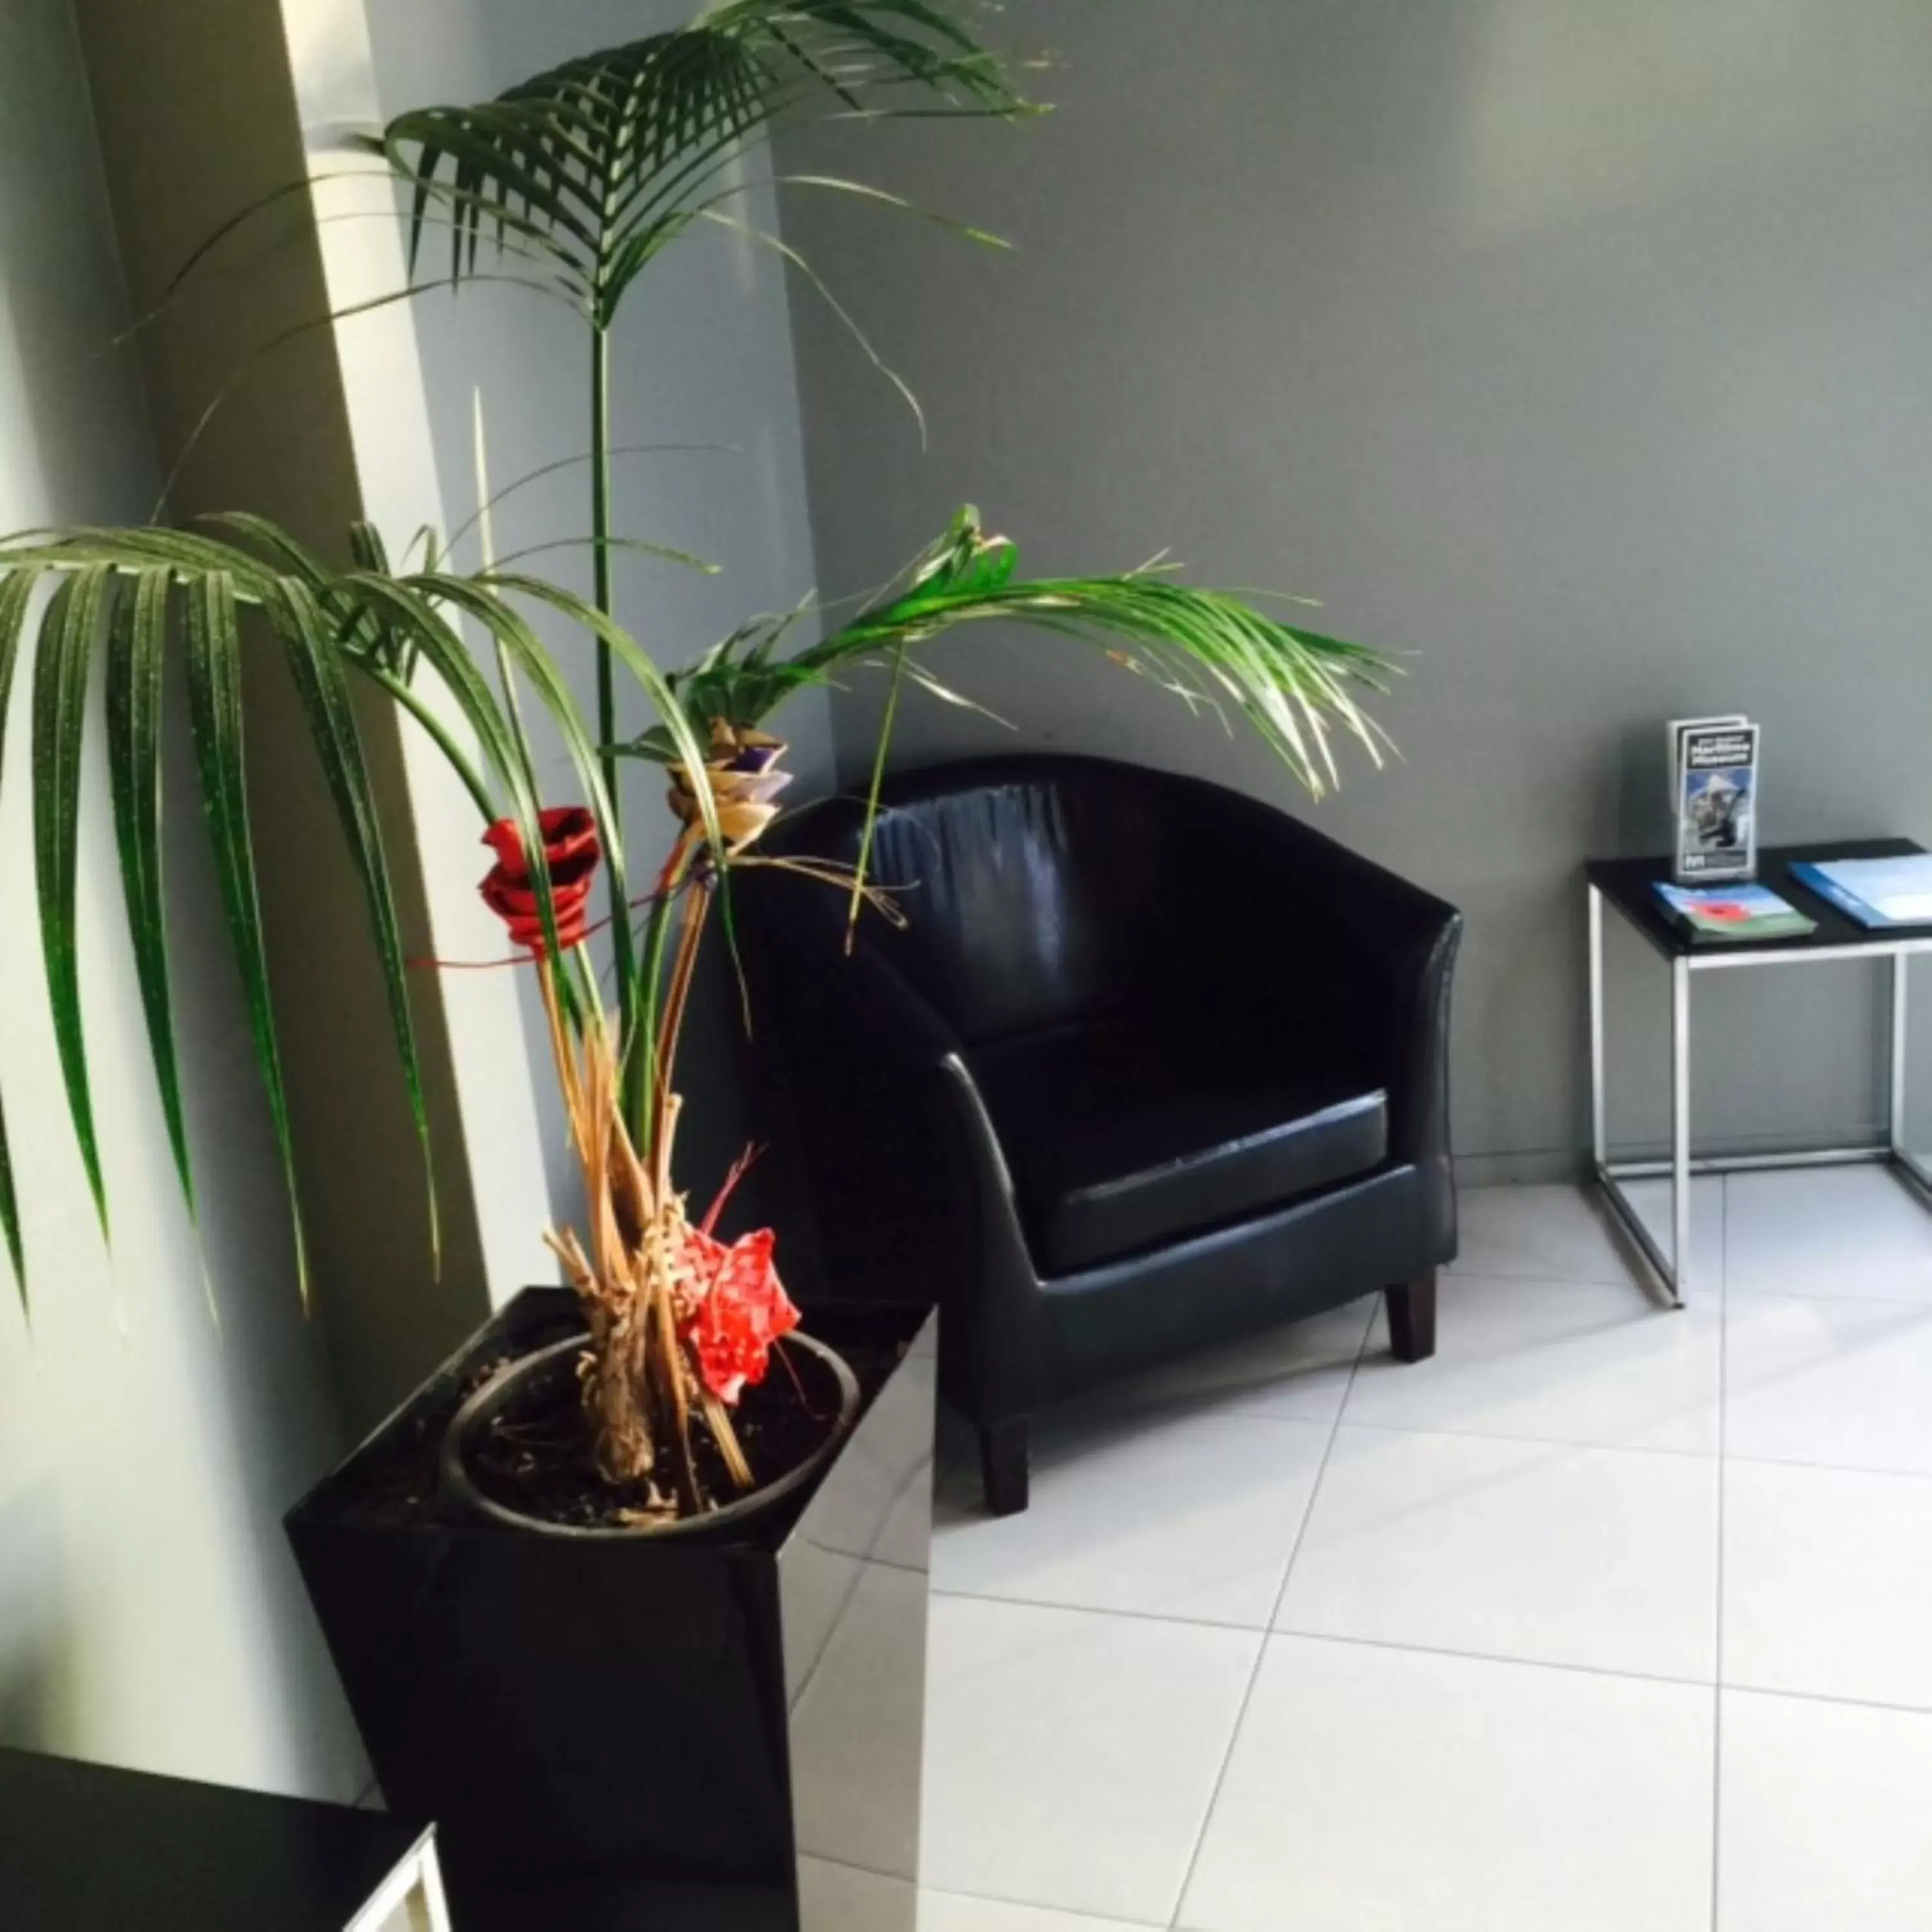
x=571 y=852
x=744 y=1311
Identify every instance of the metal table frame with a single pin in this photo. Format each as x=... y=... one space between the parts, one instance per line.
x=411 y=1899
x=1673 y=1270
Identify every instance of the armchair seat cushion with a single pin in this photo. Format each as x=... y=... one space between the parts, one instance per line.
x=1121 y=1135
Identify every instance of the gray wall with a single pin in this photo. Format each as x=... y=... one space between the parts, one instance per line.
x=1584 y=352
x=150 y=1614
x=701 y=355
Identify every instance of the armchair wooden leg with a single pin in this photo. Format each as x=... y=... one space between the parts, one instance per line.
x=1004 y=1464
x=1411 y=1319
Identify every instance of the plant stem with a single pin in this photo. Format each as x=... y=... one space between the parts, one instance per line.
x=640 y=1075
x=697 y=907
x=623 y=950
x=872 y=796
x=600 y=552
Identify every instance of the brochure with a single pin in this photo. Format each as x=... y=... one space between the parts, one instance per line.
x=1715 y=800
x=1674 y=762
x=1734 y=912
x=1876 y=892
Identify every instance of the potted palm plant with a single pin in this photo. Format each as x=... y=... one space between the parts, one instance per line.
x=586 y=1588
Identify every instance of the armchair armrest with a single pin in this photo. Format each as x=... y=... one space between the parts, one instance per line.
x=882 y=1008
x=912 y=1193
x=840 y=1003
x=968 y=1237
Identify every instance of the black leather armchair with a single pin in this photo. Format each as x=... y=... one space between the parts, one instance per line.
x=1151 y=1066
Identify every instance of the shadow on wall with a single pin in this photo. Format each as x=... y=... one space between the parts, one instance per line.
x=274 y=1425
x=78 y=399
x=1630 y=767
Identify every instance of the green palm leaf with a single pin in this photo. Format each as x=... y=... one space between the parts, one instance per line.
x=322 y=684
x=9 y=1219
x=15 y=592
x=1209 y=648
x=156 y=591
x=213 y=653
x=400 y=607
x=595 y=166
x=137 y=645
x=61 y=660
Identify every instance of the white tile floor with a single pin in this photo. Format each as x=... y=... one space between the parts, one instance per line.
x=1608 y=1617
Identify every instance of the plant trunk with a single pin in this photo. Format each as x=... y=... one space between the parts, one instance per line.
x=623 y=951
x=639 y=1388
x=600 y=551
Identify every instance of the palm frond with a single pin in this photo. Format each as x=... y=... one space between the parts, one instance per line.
x=143 y=597
x=321 y=680
x=136 y=642
x=1293 y=685
x=1212 y=649
x=62 y=663
x=595 y=166
x=762 y=238
x=10 y=1220
x=1201 y=646
x=214 y=654
x=15 y=592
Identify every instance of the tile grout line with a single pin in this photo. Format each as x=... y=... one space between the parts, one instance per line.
x=1918 y=1302
x=1506 y=1659
x=1579 y=1442
x=1633 y=1277
x=1209 y=1407
x=1604 y=1670
x=921 y=1890
x=1717 y=1690
x=1539 y=1442
x=1886 y=1469
x=1267 y=1629
x=1273 y=1628
x=1497 y=1657
x=1828 y=1697
x=1032 y=1906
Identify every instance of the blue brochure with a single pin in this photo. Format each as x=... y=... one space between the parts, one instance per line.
x=1879 y=893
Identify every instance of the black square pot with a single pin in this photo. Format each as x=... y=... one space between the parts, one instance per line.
x=619 y=1734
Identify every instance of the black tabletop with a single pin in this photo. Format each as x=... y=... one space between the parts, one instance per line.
x=1630 y=884
x=86 y=1848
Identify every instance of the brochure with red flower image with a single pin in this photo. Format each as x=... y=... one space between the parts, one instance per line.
x=1734 y=912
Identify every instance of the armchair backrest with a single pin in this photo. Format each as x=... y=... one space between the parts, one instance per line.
x=1038 y=889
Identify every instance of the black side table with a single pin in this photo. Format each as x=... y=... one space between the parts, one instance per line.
x=85 y=1848
x=1628 y=887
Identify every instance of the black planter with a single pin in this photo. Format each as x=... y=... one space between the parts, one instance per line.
x=613 y=1733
